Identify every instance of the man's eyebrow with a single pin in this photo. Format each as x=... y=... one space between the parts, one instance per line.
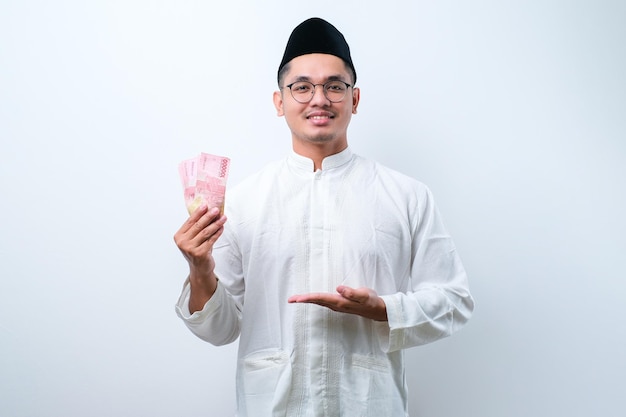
x=329 y=78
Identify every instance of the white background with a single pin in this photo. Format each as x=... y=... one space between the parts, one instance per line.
x=512 y=112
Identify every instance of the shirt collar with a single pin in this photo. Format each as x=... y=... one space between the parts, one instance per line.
x=303 y=164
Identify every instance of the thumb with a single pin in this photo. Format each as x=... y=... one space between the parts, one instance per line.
x=351 y=293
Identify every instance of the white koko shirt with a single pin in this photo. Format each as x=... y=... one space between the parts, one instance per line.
x=290 y=231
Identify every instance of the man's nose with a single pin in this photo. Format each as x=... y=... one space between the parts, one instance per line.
x=319 y=96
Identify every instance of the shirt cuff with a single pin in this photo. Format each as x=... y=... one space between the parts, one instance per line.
x=390 y=340
x=212 y=304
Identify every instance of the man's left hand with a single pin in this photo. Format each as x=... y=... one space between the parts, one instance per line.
x=360 y=301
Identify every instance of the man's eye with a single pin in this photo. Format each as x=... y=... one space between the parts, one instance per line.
x=301 y=88
x=336 y=87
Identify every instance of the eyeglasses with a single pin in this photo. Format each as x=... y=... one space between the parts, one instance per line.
x=303 y=91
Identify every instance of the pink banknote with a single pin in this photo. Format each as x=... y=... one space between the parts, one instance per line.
x=204 y=180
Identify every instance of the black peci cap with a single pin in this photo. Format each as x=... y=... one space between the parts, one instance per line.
x=316 y=35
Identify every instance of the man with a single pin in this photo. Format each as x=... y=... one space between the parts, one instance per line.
x=330 y=264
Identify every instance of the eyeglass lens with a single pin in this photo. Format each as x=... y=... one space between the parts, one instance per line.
x=303 y=91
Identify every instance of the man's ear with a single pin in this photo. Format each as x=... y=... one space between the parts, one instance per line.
x=278 y=103
x=356 y=96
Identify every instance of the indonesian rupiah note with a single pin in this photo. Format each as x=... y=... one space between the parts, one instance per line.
x=204 y=180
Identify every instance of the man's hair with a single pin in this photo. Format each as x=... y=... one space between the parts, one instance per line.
x=285 y=69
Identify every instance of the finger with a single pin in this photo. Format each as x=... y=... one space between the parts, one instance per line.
x=193 y=219
x=198 y=252
x=209 y=216
x=324 y=299
x=358 y=295
x=347 y=292
x=198 y=239
x=206 y=246
x=207 y=232
x=303 y=298
x=196 y=227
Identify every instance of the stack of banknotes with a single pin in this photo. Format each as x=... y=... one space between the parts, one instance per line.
x=204 y=181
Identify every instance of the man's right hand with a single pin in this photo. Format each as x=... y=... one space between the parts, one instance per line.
x=195 y=239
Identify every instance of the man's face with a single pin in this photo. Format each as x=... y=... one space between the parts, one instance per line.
x=320 y=120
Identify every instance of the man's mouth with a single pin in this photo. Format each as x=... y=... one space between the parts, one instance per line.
x=320 y=116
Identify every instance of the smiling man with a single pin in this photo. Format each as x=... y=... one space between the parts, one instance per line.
x=329 y=265
x=308 y=83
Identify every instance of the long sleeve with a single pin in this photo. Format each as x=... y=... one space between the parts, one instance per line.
x=218 y=322
x=438 y=302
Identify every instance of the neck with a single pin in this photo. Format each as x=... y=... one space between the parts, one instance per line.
x=318 y=151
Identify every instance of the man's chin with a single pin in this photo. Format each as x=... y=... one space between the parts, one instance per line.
x=319 y=138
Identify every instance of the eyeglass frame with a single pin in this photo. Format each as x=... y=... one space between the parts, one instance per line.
x=323 y=90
